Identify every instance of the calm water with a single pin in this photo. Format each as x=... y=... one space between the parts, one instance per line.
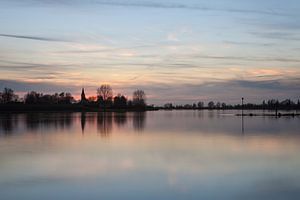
x=155 y=155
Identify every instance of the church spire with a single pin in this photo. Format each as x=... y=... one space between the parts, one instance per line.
x=83 y=99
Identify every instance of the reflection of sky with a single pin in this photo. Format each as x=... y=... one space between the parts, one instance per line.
x=175 y=50
x=57 y=161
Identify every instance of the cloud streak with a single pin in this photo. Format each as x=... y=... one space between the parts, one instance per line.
x=45 y=39
x=158 y=5
x=23 y=86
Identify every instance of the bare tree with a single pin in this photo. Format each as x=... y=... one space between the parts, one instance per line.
x=105 y=91
x=139 y=98
x=105 y=95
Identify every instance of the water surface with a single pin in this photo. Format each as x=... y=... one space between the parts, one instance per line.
x=152 y=155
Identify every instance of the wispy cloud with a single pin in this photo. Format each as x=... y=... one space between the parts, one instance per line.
x=46 y=39
x=24 y=86
x=159 y=5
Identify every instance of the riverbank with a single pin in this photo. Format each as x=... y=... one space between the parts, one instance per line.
x=67 y=108
x=93 y=108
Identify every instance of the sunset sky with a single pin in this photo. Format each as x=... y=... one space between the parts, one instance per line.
x=178 y=51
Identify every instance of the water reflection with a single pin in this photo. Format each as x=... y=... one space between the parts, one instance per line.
x=41 y=121
x=34 y=122
x=205 y=121
x=83 y=121
x=180 y=155
x=120 y=119
x=7 y=123
x=139 y=121
x=104 y=123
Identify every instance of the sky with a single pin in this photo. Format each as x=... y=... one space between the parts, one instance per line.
x=177 y=51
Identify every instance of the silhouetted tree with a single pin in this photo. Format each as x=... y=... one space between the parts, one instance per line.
x=211 y=104
x=65 y=98
x=69 y=98
x=39 y=98
x=139 y=98
x=264 y=104
x=129 y=103
x=168 y=106
x=200 y=104
x=8 y=96
x=92 y=99
x=31 y=97
x=105 y=95
x=120 y=101
x=224 y=105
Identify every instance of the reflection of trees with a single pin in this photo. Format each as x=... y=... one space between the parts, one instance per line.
x=7 y=123
x=139 y=121
x=35 y=121
x=32 y=121
x=104 y=123
x=120 y=119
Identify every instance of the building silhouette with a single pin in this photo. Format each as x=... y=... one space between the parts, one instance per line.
x=83 y=98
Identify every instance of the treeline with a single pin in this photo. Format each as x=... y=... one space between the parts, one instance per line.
x=104 y=99
x=267 y=105
x=40 y=98
x=9 y=97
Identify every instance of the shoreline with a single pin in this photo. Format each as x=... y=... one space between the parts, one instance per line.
x=19 y=108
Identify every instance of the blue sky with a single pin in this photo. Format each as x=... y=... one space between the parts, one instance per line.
x=179 y=51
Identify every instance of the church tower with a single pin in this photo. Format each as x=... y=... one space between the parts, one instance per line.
x=83 y=99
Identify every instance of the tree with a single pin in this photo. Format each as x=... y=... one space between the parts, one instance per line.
x=223 y=105
x=120 y=101
x=194 y=106
x=168 y=106
x=105 y=91
x=8 y=96
x=211 y=104
x=139 y=98
x=200 y=104
x=264 y=104
x=68 y=98
x=92 y=99
x=32 y=97
x=39 y=98
x=105 y=95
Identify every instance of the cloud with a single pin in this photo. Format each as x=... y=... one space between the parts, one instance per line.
x=269 y=84
x=229 y=91
x=242 y=43
x=277 y=35
x=166 y=5
x=23 y=86
x=157 y=5
x=46 y=39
